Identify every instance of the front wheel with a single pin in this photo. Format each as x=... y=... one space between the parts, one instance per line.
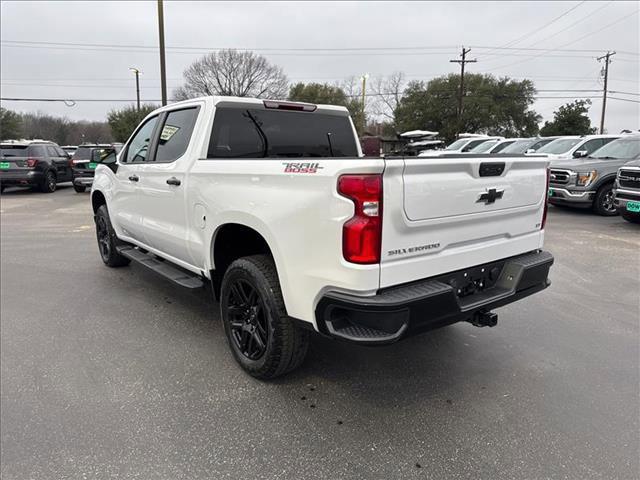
x=263 y=339
x=49 y=182
x=107 y=240
x=79 y=188
x=603 y=203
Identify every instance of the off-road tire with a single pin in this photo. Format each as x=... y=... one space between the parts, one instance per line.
x=286 y=343
x=107 y=240
x=80 y=188
x=603 y=202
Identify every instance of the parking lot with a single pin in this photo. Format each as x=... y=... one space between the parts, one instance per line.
x=116 y=373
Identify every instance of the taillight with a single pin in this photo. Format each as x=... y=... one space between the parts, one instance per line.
x=546 y=201
x=362 y=233
x=32 y=162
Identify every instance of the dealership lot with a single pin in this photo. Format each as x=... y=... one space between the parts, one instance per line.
x=117 y=373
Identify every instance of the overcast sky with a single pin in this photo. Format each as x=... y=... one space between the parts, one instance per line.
x=415 y=38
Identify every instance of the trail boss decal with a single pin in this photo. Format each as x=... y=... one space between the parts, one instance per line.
x=419 y=248
x=302 y=167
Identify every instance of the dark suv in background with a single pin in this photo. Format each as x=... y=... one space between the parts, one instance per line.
x=33 y=163
x=83 y=165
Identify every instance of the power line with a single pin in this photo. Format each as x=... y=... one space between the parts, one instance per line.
x=562 y=30
x=621 y=19
x=508 y=44
x=624 y=99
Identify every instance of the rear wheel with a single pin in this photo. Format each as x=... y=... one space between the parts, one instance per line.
x=263 y=339
x=79 y=188
x=107 y=240
x=603 y=203
x=49 y=183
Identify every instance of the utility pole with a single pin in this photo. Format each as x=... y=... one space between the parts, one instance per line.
x=163 y=71
x=364 y=87
x=607 y=61
x=137 y=72
x=461 y=93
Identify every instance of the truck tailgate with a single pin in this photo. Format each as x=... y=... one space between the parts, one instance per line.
x=448 y=213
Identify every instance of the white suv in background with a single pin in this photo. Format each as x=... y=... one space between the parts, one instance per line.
x=567 y=148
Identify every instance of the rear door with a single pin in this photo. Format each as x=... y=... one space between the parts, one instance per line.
x=60 y=163
x=451 y=212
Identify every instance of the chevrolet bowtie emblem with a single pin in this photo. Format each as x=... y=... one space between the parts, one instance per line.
x=490 y=196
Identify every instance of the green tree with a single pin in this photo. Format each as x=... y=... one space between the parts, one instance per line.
x=570 y=119
x=10 y=124
x=124 y=121
x=323 y=93
x=495 y=106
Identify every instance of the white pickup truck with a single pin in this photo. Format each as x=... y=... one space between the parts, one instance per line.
x=273 y=204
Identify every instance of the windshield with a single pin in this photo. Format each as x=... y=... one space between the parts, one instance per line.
x=520 y=146
x=458 y=144
x=561 y=145
x=623 y=148
x=501 y=146
x=484 y=146
x=255 y=133
x=541 y=143
x=82 y=153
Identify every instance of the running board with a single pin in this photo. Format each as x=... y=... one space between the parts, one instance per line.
x=161 y=267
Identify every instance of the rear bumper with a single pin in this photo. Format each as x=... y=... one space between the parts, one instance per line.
x=28 y=177
x=83 y=181
x=404 y=310
x=562 y=196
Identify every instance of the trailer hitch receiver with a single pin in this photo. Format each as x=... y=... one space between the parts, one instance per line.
x=484 y=319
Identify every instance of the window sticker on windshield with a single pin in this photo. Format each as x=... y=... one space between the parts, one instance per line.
x=168 y=131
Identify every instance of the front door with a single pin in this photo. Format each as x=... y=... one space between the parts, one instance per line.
x=126 y=212
x=163 y=185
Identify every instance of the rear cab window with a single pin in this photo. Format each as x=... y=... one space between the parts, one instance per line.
x=247 y=132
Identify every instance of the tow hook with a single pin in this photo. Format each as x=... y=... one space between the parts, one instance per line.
x=484 y=319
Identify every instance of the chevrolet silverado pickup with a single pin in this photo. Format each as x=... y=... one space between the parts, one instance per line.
x=273 y=205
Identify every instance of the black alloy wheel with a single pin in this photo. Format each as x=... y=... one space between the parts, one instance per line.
x=247 y=319
x=104 y=240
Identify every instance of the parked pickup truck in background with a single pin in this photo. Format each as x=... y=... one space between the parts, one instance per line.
x=273 y=203
x=589 y=182
x=627 y=187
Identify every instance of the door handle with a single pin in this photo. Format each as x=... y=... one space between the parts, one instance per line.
x=173 y=181
x=134 y=178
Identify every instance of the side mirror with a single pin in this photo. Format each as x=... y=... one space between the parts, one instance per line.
x=105 y=156
x=580 y=153
x=530 y=150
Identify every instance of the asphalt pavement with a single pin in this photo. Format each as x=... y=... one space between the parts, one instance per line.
x=117 y=373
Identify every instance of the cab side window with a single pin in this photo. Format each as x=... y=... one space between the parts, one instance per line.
x=52 y=152
x=176 y=134
x=138 y=149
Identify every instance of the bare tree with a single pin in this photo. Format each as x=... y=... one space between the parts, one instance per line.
x=388 y=93
x=234 y=73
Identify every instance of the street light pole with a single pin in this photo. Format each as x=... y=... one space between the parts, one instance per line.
x=364 y=88
x=163 y=71
x=137 y=72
